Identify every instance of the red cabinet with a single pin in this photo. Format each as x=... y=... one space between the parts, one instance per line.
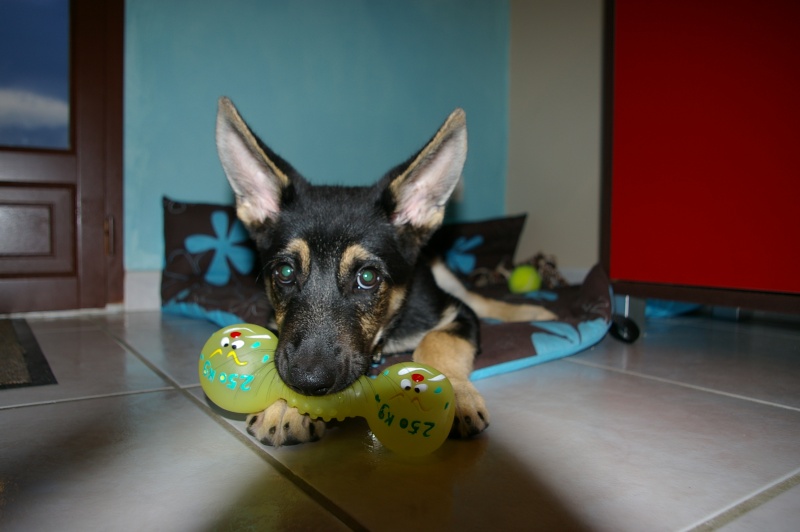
x=701 y=191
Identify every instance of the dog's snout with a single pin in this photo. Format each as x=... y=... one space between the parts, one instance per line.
x=308 y=371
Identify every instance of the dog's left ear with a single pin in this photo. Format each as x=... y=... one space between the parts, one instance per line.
x=419 y=192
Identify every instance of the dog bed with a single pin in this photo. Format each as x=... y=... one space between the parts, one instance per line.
x=584 y=316
x=211 y=272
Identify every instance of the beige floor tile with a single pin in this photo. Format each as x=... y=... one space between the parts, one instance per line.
x=723 y=356
x=142 y=462
x=171 y=343
x=569 y=446
x=86 y=362
x=696 y=418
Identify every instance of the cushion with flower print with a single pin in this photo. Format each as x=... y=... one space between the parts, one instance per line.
x=210 y=266
x=212 y=272
x=473 y=247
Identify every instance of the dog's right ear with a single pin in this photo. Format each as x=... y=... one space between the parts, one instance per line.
x=261 y=180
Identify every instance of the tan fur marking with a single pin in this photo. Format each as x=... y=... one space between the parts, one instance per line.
x=353 y=254
x=279 y=319
x=370 y=325
x=454 y=357
x=450 y=354
x=397 y=296
x=500 y=310
x=434 y=222
x=409 y=343
x=299 y=248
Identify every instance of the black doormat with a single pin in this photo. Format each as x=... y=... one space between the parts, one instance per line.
x=22 y=362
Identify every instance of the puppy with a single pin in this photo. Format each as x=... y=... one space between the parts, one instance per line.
x=347 y=278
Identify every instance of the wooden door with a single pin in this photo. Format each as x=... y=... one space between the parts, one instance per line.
x=61 y=209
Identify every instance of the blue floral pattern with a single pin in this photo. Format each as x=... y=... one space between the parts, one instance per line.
x=458 y=258
x=228 y=247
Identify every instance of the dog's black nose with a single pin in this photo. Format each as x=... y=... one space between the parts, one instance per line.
x=305 y=372
x=310 y=381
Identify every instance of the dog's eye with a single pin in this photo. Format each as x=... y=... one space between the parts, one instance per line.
x=284 y=274
x=368 y=278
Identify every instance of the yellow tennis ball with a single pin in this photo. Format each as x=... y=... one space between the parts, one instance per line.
x=523 y=279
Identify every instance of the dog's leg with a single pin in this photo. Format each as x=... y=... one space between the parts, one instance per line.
x=485 y=307
x=281 y=424
x=453 y=356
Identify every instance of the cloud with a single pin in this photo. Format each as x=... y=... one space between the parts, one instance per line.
x=28 y=110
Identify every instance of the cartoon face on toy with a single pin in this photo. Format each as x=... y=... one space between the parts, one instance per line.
x=417 y=385
x=413 y=407
x=231 y=362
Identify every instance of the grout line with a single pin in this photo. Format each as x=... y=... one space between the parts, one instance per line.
x=747 y=504
x=681 y=384
x=143 y=359
x=301 y=484
x=86 y=398
x=314 y=494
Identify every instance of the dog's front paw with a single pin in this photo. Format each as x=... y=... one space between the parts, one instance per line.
x=280 y=425
x=471 y=417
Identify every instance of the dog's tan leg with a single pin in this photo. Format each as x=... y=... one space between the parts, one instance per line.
x=454 y=356
x=486 y=307
x=281 y=424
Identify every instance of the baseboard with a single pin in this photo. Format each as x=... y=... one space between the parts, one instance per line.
x=142 y=290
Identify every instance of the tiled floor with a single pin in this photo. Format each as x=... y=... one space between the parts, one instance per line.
x=697 y=425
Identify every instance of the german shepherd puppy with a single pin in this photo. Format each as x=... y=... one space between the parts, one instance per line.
x=346 y=278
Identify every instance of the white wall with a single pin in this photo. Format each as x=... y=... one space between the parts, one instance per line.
x=554 y=128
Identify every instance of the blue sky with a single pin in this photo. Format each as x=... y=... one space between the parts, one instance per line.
x=34 y=73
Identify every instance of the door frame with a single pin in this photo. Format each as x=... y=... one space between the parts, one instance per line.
x=99 y=38
x=96 y=100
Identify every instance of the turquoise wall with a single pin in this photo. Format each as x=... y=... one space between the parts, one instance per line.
x=343 y=90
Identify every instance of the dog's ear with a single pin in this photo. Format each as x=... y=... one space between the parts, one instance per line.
x=419 y=189
x=261 y=180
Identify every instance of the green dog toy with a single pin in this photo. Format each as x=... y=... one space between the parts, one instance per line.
x=409 y=407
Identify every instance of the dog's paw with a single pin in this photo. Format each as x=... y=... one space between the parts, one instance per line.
x=471 y=417
x=281 y=424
